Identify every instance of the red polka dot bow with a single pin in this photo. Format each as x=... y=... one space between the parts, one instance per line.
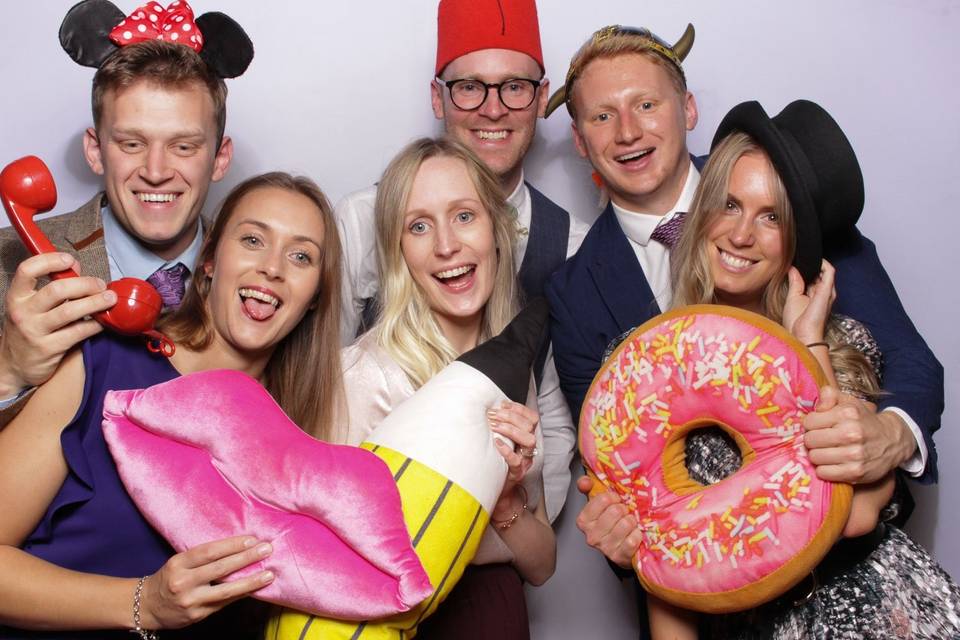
x=152 y=22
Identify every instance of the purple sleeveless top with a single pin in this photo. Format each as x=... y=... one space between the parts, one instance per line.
x=92 y=525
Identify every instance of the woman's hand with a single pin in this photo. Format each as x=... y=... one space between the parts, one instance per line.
x=517 y=423
x=805 y=312
x=184 y=592
x=868 y=501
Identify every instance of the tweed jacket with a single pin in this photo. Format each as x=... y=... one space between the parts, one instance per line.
x=79 y=233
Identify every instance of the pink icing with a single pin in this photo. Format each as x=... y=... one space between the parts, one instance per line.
x=718 y=368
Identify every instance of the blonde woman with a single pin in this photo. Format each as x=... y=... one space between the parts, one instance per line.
x=774 y=190
x=445 y=253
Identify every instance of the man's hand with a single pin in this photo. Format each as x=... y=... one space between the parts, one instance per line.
x=608 y=526
x=848 y=441
x=40 y=326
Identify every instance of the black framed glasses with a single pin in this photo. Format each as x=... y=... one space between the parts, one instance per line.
x=469 y=94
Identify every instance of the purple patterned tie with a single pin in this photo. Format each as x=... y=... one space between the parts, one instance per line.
x=667 y=233
x=170 y=284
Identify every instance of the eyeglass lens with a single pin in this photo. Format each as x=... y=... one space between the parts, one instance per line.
x=469 y=94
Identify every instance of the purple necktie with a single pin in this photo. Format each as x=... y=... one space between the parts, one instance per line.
x=667 y=233
x=170 y=284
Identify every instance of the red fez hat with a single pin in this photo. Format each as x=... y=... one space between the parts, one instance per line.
x=464 y=26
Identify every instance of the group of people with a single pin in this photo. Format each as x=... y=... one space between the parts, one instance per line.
x=343 y=313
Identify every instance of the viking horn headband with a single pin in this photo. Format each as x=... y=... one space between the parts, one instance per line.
x=674 y=54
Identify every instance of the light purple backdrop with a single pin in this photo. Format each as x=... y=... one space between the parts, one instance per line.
x=337 y=88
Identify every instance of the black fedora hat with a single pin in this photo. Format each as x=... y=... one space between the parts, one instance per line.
x=817 y=165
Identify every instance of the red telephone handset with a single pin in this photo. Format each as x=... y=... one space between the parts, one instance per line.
x=26 y=189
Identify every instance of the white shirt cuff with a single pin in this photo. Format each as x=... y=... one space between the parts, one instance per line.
x=916 y=463
x=9 y=402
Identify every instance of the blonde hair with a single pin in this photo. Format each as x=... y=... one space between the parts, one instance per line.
x=303 y=375
x=690 y=264
x=689 y=260
x=406 y=328
x=614 y=45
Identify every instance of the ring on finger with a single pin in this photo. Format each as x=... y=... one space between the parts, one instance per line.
x=528 y=453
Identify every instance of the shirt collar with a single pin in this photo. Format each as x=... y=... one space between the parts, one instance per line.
x=129 y=258
x=520 y=195
x=639 y=226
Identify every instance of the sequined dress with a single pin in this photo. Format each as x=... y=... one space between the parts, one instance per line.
x=897 y=591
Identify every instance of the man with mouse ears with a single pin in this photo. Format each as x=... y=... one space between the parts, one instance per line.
x=627 y=96
x=159 y=111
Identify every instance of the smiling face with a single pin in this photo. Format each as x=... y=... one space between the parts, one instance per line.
x=156 y=149
x=632 y=125
x=266 y=271
x=448 y=243
x=745 y=240
x=499 y=136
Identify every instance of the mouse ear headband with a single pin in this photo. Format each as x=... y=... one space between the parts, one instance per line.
x=93 y=29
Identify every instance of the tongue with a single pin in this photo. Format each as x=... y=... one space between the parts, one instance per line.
x=258 y=310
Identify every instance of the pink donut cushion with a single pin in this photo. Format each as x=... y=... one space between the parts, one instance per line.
x=211 y=455
x=747 y=539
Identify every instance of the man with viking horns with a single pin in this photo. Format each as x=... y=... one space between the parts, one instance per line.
x=627 y=95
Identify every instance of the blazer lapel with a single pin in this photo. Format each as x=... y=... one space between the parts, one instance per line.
x=618 y=276
x=86 y=226
x=85 y=235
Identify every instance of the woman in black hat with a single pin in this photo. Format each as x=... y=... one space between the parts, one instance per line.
x=773 y=190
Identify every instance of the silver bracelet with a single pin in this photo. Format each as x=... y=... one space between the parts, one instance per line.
x=137 y=628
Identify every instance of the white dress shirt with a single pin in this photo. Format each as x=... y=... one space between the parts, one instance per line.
x=654 y=258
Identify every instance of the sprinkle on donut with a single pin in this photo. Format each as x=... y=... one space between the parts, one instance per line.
x=693 y=368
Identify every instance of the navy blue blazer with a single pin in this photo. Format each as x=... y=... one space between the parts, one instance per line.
x=601 y=292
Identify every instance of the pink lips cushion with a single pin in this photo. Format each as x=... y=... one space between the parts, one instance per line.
x=211 y=455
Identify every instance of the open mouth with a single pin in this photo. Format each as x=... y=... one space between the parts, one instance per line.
x=258 y=304
x=634 y=157
x=156 y=198
x=736 y=263
x=457 y=277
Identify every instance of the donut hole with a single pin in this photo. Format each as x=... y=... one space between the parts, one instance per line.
x=711 y=455
x=701 y=453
